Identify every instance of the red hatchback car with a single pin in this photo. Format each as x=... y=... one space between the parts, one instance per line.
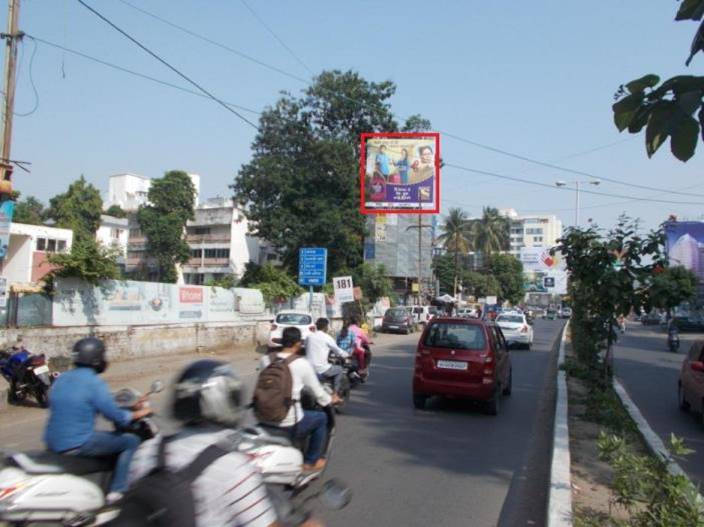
x=690 y=389
x=464 y=358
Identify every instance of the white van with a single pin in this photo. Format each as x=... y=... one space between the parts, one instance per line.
x=423 y=314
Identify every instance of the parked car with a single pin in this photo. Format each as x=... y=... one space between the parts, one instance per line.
x=551 y=314
x=650 y=319
x=691 y=322
x=423 y=314
x=464 y=358
x=289 y=318
x=399 y=320
x=466 y=312
x=566 y=312
x=690 y=388
x=516 y=329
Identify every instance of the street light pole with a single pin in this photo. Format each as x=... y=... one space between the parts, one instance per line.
x=576 y=184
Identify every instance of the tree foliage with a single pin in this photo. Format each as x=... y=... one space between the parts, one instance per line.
x=116 y=211
x=491 y=232
x=163 y=222
x=226 y=282
x=670 y=110
x=78 y=209
x=671 y=286
x=274 y=283
x=30 y=211
x=88 y=260
x=373 y=281
x=508 y=272
x=456 y=238
x=301 y=188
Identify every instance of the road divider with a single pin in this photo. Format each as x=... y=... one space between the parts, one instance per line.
x=560 y=496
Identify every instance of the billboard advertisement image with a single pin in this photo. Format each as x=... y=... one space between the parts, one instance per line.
x=684 y=244
x=543 y=272
x=400 y=173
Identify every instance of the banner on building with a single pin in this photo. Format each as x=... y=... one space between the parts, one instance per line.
x=400 y=173
x=543 y=272
x=7 y=208
x=684 y=244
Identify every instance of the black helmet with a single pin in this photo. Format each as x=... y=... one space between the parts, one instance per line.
x=90 y=352
x=208 y=391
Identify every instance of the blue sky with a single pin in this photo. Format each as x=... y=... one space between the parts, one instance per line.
x=533 y=78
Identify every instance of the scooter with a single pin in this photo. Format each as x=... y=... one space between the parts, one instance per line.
x=673 y=339
x=27 y=374
x=62 y=489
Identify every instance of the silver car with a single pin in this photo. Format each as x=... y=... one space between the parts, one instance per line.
x=516 y=329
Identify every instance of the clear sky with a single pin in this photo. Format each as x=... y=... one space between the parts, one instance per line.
x=533 y=78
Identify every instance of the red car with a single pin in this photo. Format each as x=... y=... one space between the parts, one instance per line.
x=690 y=388
x=464 y=358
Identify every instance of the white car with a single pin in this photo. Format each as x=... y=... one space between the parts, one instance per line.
x=516 y=329
x=290 y=318
x=423 y=314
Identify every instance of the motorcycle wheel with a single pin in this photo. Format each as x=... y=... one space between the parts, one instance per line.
x=41 y=395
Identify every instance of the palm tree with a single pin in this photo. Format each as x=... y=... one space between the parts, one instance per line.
x=456 y=237
x=491 y=232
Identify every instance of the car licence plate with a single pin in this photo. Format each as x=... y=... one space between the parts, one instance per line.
x=392 y=327
x=41 y=369
x=452 y=365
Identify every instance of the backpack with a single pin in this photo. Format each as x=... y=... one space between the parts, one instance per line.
x=273 y=393
x=164 y=497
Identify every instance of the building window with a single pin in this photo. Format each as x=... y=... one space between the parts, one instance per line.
x=537 y=238
x=534 y=231
x=61 y=246
x=41 y=244
x=135 y=232
x=196 y=253
x=201 y=230
x=115 y=233
x=217 y=253
x=272 y=256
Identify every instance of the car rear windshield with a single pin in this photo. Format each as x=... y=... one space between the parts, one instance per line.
x=457 y=336
x=396 y=314
x=295 y=319
x=510 y=318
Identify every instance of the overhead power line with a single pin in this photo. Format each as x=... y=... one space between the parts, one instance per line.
x=271 y=31
x=165 y=63
x=585 y=191
x=132 y=72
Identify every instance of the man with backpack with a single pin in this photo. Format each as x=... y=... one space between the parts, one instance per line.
x=195 y=478
x=277 y=397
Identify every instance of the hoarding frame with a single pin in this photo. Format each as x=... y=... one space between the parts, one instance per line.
x=363 y=172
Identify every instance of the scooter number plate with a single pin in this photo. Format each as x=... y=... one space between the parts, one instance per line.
x=41 y=369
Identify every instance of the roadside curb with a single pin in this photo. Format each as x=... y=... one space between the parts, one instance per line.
x=655 y=444
x=560 y=497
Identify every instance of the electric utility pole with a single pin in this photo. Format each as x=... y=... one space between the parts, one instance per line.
x=12 y=38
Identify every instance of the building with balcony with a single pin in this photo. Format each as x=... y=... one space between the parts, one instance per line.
x=218 y=239
x=130 y=191
x=113 y=233
x=532 y=230
x=30 y=246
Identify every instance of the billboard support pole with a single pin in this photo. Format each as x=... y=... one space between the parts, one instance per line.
x=420 y=259
x=310 y=298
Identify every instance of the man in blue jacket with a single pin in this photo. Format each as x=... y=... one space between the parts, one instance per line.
x=75 y=399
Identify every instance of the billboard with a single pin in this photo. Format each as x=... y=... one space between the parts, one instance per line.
x=400 y=173
x=684 y=244
x=542 y=271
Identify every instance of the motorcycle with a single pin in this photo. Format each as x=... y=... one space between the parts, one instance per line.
x=673 y=339
x=27 y=374
x=62 y=489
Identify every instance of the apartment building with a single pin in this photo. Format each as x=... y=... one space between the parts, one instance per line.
x=532 y=230
x=130 y=191
x=30 y=246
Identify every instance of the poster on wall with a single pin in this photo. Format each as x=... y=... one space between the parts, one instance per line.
x=400 y=173
x=7 y=209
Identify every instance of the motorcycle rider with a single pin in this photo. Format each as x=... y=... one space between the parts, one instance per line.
x=208 y=399
x=299 y=422
x=361 y=342
x=75 y=399
x=318 y=346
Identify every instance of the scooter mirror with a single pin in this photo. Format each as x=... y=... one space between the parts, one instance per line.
x=156 y=387
x=335 y=495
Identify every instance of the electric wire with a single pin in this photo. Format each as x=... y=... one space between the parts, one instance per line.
x=585 y=191
x=132 y=72
x=31 y=81
x=165 y=63
x=271 y=31
x=456 y=137
x=215 y=43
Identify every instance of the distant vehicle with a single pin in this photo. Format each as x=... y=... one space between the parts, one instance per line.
x=491 y=312
x=516 y=329
x=650 y=319
x=691 y=322
x=566 y=312
x=398 y=320
x=465 y=358
x=551 y=314
x=290 y=318
x=690 y=388
x=537 y=312
x=466 y=312
x=423 y=314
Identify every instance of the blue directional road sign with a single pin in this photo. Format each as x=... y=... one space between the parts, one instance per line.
x=312 y=266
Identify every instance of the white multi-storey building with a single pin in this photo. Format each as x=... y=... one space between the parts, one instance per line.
x=129 y=191
x=532 y=230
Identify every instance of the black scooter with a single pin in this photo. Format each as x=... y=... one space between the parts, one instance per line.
x=673 y=339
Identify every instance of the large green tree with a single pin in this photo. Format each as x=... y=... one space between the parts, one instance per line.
x=78 y=209
x=163 y=222
x=456 y=238
x=274 y=283
x=508 y=271
x=301 y=188
x=30 y=211
x=670 y=286
x=491 y=232
x=116 y=211
x=672 y=109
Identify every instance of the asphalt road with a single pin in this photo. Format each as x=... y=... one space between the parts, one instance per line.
x=650 y=373
x=449 y=465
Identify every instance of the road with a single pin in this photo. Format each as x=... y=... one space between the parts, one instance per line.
x=448 y=465
x=650 y=373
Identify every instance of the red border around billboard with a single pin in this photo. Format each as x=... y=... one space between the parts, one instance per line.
x=362 y=171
